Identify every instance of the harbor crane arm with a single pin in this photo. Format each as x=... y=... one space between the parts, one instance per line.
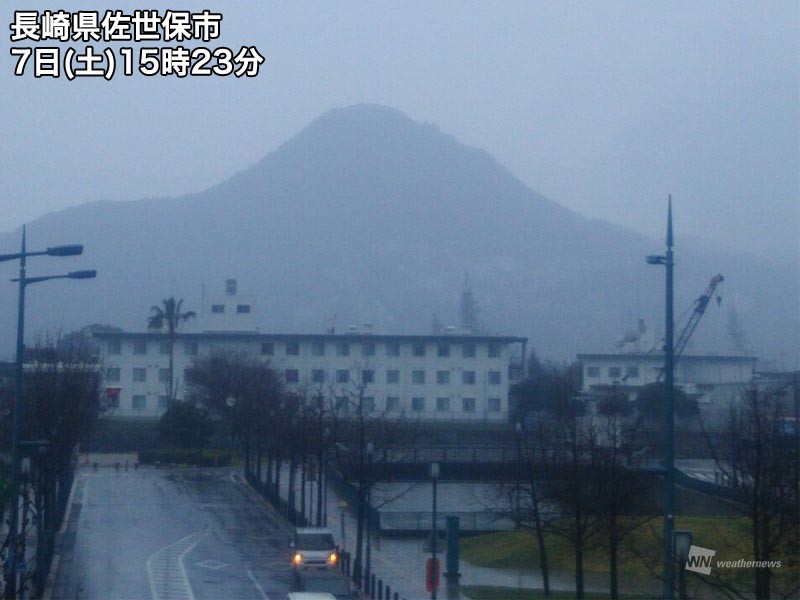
x=699 y=309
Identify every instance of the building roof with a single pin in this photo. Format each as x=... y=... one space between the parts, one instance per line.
x=659 y=356
x=252 y=335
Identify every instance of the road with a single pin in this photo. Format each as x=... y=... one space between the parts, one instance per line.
x=171 y=534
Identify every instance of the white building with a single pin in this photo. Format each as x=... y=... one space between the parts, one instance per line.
x=443 y=377
x=695 y=373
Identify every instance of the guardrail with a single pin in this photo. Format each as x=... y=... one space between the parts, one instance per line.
x=472 y=521
x=454 y=454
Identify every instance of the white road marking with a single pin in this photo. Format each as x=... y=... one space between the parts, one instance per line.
x=258 y=585
x=167 y=573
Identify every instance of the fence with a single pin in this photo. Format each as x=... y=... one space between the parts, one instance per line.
x=454 y=454
x=470 y=521
x=44 y=496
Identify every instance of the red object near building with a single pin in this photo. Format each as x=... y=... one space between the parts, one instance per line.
x=432 y=575
x=112 y=393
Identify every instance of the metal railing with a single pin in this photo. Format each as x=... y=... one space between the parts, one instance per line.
x=473 y=521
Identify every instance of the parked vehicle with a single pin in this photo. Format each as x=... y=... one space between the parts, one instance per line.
x=309 y=596
x=329 y=581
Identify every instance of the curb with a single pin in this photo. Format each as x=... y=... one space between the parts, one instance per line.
x=50 y=583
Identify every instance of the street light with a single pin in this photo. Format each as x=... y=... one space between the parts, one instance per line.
x=681 y=543
x=23 y=281
x=669 y=417
x=434 y=565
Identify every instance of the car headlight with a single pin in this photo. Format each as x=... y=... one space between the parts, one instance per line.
x=332 y=558
x=298 y=558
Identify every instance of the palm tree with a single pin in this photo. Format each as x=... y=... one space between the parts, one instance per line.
x=169 y=314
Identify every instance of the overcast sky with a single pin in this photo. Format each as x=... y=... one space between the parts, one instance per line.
x=605 y=107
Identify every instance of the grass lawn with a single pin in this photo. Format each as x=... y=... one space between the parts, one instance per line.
x=477 y=592
x=639 y=556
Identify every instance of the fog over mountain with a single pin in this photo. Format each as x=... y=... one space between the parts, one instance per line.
x=374 y=218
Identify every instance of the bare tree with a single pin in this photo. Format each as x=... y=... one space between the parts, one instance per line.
x=63 y=400
x=759 y=455
x=620 y=482
x=365 y=441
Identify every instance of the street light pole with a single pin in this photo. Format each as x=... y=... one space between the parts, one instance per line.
x=24 y=281
x=434 y=566
x=11 y=584
x=368 y=558
x=669 y=414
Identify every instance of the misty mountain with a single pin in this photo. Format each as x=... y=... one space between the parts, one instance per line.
x=374 y=218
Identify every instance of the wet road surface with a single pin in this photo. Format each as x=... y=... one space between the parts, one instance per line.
x=171 y=534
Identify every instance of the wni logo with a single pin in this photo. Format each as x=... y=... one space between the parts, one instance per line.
x=699 y=560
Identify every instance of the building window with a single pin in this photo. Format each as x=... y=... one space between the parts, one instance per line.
x=392 y=349
x=342 y=404
x=163 y=402
x=114 y=347
x=292 y=348
x=468 y=405
x=139 y=374
x=218 y=308
x=291 y=375
x=443 y=349
x=163 y=375
x=267 y=348
x=138 y=402
x=468 y=377
x=318 y=376
x=368 y=349
x=417 y=376
x=342 y=376
x=392 y=376
x=632 y=372
x=243 y=309
x=317 y=348
x=468 y=350
x=367 y=376
x=190 y=347
x=494 y=377
x=418 y=404
x=368 y=404
x=443 y=377
x=593 y=371
x=342 y=349
x=392 y=404
x=112 y=374
x=418 y=350
x=140 y=346
x=163 y=347
x=493 y=405
x=494 y=350
x=614 y=372
x=442 y=404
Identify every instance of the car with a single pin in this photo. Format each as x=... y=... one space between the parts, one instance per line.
x=332 y=582
x=314 y=548
x=309 y=596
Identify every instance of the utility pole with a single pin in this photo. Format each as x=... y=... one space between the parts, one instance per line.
x=669 y=413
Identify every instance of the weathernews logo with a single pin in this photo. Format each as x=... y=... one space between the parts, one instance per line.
x=700 y=560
